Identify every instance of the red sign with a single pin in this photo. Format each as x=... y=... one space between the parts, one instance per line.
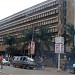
x=32 y=47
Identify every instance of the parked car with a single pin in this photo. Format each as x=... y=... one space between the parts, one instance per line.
x=23 y=61
x=5 y=62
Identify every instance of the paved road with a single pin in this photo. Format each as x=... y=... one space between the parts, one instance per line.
x=17 y=71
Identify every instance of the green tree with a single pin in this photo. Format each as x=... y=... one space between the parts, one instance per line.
x=44 y=37
x=26 y=38
x=68 y=34
x=39 y=34
x=10 y=41
x=27 y=35
x=71 y=33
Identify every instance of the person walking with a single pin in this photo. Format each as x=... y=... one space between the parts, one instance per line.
x=74 y=67
x=41 y=62
x=1 y=63
x=41 y=66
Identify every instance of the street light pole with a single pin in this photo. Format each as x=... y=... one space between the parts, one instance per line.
x=59 y=32
x=32 y=32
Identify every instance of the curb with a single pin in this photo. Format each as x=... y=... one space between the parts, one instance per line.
x=53 y=70
x=2 y=73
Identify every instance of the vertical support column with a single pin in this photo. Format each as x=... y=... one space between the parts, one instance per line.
x=58 y=61
x=74 y=18
x=59 y=31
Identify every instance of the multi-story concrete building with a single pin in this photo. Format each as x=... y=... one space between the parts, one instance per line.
x=54 y=13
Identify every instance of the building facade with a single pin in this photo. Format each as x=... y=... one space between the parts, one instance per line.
x=51 y=12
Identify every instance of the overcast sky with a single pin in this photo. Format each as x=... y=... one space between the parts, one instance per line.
x=9 y=7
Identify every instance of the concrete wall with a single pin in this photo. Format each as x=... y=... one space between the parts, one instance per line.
x=70 y=11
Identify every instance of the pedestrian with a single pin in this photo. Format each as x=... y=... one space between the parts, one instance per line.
x=74 y=67
x=1 y=63
x=41 y=63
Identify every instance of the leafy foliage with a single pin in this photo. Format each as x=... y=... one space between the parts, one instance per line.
x=71 y=33
x=9 y=40
x=27 y=35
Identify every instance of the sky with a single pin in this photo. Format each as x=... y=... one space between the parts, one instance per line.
x=9 y=7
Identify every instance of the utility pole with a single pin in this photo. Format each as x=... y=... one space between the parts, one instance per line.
x=32 y=39
x=59 y=31
x=32 y=32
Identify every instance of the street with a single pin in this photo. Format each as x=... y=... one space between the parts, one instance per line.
x=9 y=70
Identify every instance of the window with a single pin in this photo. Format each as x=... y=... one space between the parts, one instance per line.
x=51 y=30
x=21 y=58
x=26 y=27
x=56 y=2
x=55 y=29
x=56 y=11
x=34 y=17
x=56 y=20
x=39 y=24
x=50 y=21
x=53 y=11
x=43 y=15
x=29 y=18
x=24 y=59
x=38 y=16
x=51 y=4
x=47 y=13
x=46 y=22
x=53 y=20
x=43 y=7
x=42 y=23
x=64 y=4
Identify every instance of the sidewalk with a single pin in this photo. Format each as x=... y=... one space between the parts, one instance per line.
x=1 y=73
x=52 y=69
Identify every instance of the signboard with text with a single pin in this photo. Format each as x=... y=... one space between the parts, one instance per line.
x=59 y=44
x=59 y=48
x=32 y=47
x=59 y=40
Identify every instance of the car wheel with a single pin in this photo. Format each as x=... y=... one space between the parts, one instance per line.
x=23 y=66
x=14 y=65
x=8 y=64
